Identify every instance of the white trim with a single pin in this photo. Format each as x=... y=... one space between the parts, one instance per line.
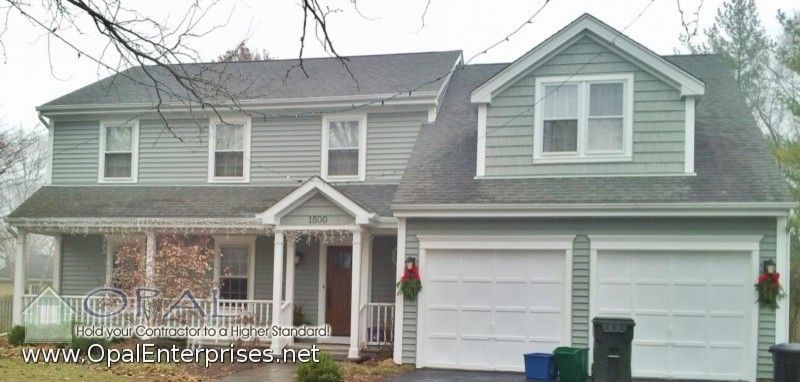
x=248 y=241
x=782 y=248
x=676 y=242
x=58 y=241
x=399 y=300
x=307 y=190
x=51 y=136
x=593 y=209
x=355 y=293
x=688 y=159
x=582 y=153
x=101 y=161
x=688 y=84
x=362 y=146
x=277 y=287
x=749 y=244
x=499 y=242
x=20 y=275
x=212 y=141
x=587 y=175
x=481 y=158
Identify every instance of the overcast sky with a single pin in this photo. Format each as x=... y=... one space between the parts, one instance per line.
x=388 y=26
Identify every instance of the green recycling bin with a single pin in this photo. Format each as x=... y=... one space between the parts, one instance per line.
x=572 y=364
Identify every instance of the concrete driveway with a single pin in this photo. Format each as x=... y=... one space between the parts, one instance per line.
x=438 y=375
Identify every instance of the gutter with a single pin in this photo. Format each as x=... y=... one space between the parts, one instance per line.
x=414 y=98
x=771 y=209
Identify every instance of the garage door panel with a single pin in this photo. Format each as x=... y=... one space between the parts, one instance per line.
x=444 y=267
x=505 y=303
x=693 y=320
x=545 y=296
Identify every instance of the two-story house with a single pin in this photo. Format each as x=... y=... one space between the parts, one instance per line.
x=590 y=177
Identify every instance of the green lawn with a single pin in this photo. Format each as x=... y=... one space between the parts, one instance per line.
x=14 y=369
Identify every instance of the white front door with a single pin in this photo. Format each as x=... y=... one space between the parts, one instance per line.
x=693 y=310
x=483 y=309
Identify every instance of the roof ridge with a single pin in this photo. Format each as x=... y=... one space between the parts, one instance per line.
x=311 y=58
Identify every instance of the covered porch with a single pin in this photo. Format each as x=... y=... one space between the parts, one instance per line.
x=314 y=257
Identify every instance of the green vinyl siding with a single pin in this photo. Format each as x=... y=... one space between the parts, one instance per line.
x=83 y=264
x=384 y=270
x=583 y=229
x=316 y=208
x=658 y=119
x=76 y=148
x=283 y=149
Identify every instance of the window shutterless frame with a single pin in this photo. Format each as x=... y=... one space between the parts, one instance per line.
x=134 y=152
x=583 y=154
x=362 y=146
x=248 y=241
x=212 y=141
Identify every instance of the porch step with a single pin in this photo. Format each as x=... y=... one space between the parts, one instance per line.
x=337 y=351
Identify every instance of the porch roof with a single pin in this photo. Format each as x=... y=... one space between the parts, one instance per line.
x=179 y=202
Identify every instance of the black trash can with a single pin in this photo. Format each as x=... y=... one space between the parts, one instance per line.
x=612 y=349
x=785 y=362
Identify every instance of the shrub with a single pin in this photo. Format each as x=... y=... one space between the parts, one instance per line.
x=83 y=343
x=16 y=336
x=326 y=370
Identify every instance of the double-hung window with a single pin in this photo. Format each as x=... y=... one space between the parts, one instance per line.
x=344 y=147
x=235 y=267
x=119 y=146
x=229 y=151
x=583 y=118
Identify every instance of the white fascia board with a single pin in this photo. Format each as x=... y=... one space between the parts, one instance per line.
x=510 y=242
x=689 y=85
x=383 y=99
x=272 y=215
x=594 y=210
x=677 y=242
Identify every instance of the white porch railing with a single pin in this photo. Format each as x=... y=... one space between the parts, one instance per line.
x=227 y=313
x=380 y=323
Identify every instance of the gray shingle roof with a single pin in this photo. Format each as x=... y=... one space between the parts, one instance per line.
x=733 y=162
x=376 y=74
x=178 y=202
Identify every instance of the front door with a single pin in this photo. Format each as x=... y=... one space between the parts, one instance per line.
x=337 y=290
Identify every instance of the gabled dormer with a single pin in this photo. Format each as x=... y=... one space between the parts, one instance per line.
x=588 y=101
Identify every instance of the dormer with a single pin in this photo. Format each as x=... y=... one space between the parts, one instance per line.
x=588 y=101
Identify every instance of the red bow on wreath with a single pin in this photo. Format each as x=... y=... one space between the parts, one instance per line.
x=410 y=284
x=769 y=290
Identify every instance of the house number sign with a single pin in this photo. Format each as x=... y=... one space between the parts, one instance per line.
x=317 y=219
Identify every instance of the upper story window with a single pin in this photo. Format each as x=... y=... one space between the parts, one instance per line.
x=229 y=151
x=344 y=145
x=583 y=119
x=119 y=151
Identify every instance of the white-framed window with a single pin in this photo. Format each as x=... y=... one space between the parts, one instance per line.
x=583 y=119
x=234 y=267
x=344 y=147
x=229 y=150
x=119 y=152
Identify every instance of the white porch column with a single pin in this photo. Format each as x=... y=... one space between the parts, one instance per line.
x=277 y=288
x=397 y=354
x=355 y=296
x=57 y=243
x=20 y=264
x=782 y=251
x=289 y=294
x=150 y=260
x=366 y=276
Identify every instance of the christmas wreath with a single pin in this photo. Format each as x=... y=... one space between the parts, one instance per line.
x=410 y=284
x=769 y=290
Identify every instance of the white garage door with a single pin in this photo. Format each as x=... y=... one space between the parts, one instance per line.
x=484 y=309
x=693 y=310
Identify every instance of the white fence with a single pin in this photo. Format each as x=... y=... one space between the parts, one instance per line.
x=380 y=323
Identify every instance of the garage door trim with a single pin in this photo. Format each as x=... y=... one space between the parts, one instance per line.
x=738 y=243
x=493 y=242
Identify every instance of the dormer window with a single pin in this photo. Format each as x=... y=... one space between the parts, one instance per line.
x=583 y=118
x=344 y=147
x=119 y=149
x=229 y=150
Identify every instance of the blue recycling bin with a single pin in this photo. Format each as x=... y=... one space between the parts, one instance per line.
x=540 y=366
